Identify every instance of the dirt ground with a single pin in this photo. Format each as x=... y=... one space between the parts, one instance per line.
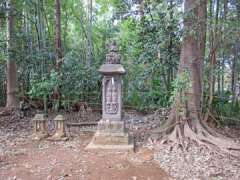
x=28 y=160
x=24 y=159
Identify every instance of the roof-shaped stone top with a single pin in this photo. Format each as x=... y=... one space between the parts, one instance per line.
x=59 y=118
x=108 y=69
x=39 y=117
x=113 y=64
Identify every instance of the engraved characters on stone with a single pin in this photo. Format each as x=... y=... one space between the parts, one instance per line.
x=111 y=96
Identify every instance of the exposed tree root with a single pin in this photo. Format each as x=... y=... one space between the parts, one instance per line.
x=6 y=112
x=186 y=132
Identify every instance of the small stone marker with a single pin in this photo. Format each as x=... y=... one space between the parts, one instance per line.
x=60 y=133
x=40 y=127
x=111 y=132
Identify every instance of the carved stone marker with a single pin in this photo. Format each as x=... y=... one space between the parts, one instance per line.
x=60 y=133
x=40 y=127
x=111 y=132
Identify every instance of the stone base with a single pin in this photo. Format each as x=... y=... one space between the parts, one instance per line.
x=127 y=147
x=37 y=136
x=58 y=136
x=111 y=135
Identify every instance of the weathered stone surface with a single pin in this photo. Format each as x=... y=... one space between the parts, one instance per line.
x=107 y=69
x=111 y=132
x=40 y=127
x=112 y=98
x=60 y=133
x=111 y=139
x=39 y=117
x=111 y=127
x=113 y=57
x=59 y=117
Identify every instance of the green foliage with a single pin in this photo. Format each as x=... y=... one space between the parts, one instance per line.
x=45 y=86
x=149 y=46
x=2 y=87
x=149 y=40
x=79 y=83
x=224 y=107
x=180 y=85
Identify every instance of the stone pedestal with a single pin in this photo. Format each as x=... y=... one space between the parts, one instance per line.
x=60 y=133
x=111 y=135
x=40 y=127
x=111 y=132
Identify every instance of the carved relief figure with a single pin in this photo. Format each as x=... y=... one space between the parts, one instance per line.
x=108 y=96
x=113 y=57
x=111 y=97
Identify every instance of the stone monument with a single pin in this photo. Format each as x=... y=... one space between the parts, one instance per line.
x=40 y=127
x=60 y=132
x=111 y=132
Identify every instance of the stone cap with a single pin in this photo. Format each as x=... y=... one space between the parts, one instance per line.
x=109 y=69
x=39 y=117
x=59 y=117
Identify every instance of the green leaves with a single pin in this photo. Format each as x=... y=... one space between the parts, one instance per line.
x=180 y=85
x=44 y=86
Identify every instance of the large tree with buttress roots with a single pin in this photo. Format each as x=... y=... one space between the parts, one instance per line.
x=185 y=124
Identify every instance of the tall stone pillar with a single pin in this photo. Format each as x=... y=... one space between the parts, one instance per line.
x=111 y=132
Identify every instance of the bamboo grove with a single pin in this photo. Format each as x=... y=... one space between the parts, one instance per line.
x=57 y=47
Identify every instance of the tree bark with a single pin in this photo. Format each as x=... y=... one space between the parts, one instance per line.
x=185 y=123
x=202 y=28
x=192 y=54
x=58 y=47
x=58 y=42
x=224 y=46
x=170 y=48
x=213 y=51
x=191 y=61
x=89 y=35
x=11 y=64
x=235 y=60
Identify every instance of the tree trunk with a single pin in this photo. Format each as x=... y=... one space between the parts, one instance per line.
x=235 y=61
x=224 y=46
x=58 y=42
x=170 y=47
x=191 y=61
x=58 y=47
x=202 y=28
x=89 y=35
x=213 y=51
x=11 y=64
x=188 y=109
x=234 y=76
x=185 y=124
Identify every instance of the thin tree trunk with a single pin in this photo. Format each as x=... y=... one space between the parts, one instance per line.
x=216 y=41
x=58 y=42
x=58 y=48
x=213 y=51
x=65 y=31
x=235 y=60
x=89 y=35
x=11 y=64
x=170 y=47
x=202 y=28
x=234 y=76
x=224 y=45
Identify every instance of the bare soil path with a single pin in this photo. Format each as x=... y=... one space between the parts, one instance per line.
x=23 y=159
x=27 y=160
